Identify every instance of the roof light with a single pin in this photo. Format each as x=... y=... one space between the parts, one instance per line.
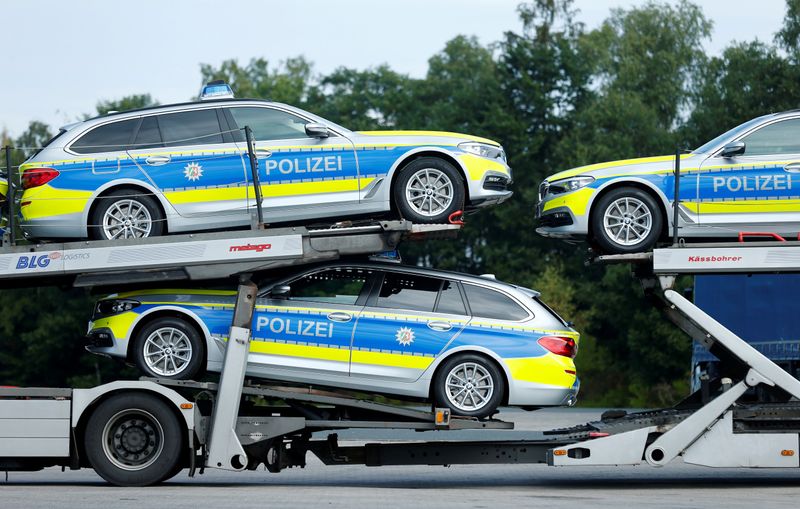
x=216 y=90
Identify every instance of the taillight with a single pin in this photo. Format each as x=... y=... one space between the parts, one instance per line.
x=35 y=177
x=559 y=345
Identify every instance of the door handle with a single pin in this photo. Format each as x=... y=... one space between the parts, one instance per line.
x=440 y=326
x=792 y=167
x=157 y=160
x=262 y=152
x=340 y=317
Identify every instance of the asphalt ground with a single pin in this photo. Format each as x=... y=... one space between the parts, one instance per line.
x=484 y=486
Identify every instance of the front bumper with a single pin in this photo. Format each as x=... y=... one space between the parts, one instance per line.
x=102 y=341
x=565 y=216
x=492 y=189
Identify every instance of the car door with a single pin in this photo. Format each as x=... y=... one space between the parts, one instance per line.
x=193 y=160
x=301 y=174
x=408 y=321
x=759 y=187
x=307 y=330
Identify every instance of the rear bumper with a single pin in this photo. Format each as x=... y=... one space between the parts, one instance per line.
x=533 y=394
x=65 y=226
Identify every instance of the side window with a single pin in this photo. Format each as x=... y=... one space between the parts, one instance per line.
x=269 y=124
x=106 y=138
x=407 y=291
x=334 y=286
x=199 y=127
x=450 y=300
x=149 y=135
x=778 y=138
x=487 y=303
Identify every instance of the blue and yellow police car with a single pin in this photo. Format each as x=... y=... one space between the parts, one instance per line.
x=466 y=342
x=185 y=167
x=747 y=179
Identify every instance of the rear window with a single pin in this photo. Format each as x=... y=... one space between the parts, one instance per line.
x=112 y=137
x=199 y=127
x=487 y=303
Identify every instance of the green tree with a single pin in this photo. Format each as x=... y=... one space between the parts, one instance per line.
x=288 y=82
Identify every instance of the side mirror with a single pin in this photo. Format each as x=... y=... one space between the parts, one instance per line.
x=317 y=130
x=733 y=149
x=281 y=292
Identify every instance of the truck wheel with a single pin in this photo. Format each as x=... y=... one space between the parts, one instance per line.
x=169 y=348
x=428 y=190
x=469 y=385
x=626 y=220
x=134 y=440
x=126 y=214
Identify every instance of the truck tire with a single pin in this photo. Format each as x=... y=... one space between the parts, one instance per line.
x=469 y=384
x=134 y=439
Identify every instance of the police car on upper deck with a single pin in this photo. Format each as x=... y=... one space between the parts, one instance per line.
x=185 y=167
x=747 y=179
x=469 y=343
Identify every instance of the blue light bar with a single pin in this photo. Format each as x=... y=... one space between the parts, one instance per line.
x=216 y=90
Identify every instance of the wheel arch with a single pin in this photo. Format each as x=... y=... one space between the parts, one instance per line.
x=169 y=312
x=472 y=350
x=418 y=153
x=642 y=185
x=132 y=185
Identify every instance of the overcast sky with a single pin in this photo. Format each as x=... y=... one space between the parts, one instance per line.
x=61 y=57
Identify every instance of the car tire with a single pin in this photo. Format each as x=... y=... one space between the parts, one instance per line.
x=124 y=214
x=169 y=348
x=469 y=385
x=626 y=220
x=428 y=190
x=134 y=439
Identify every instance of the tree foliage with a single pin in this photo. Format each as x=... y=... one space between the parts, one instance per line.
x=557 y=95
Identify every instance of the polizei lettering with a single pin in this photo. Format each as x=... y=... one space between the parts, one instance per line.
x=298 y=166
x=753 y=183
x=294 y=327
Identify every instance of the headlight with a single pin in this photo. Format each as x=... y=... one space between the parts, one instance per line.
x=570 y=184
x=113 y=307
x=483 y=150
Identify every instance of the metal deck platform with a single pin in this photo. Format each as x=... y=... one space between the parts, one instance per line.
x=200 y=256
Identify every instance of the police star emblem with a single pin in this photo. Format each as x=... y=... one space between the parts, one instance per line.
x=405 y=336
x=193 y=171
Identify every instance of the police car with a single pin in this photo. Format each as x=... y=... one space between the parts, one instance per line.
x=185 y=167
x=469 y=343
x=747 y=179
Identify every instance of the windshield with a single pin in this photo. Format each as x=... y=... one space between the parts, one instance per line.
x=728 y=135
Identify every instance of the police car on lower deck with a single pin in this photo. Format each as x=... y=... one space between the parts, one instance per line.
x=747 y=179
x=185 y=167
x=469 y=343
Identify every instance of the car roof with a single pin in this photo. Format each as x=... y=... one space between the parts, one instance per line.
x=414 y=269
x=166 y=107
